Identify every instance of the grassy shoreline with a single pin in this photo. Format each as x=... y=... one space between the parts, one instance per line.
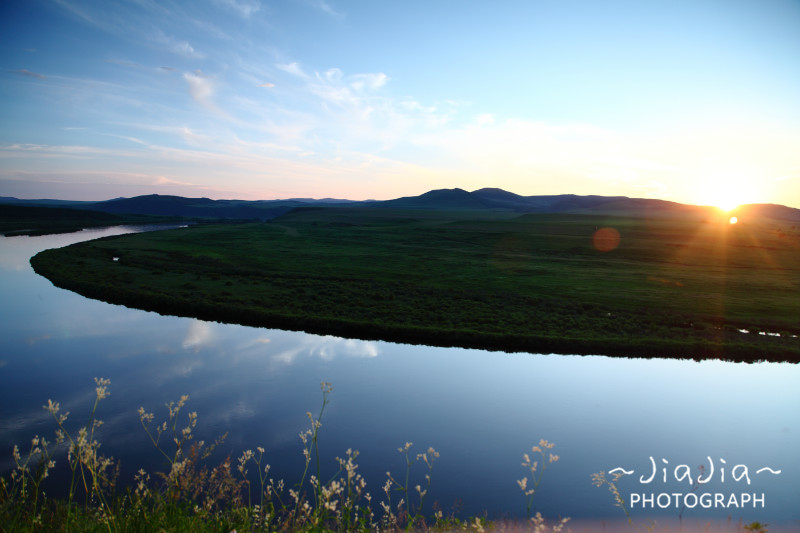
x=22 y=220
x=536 y=283
x=194 y=493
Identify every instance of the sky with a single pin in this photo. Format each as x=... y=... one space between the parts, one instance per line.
x=694 y=101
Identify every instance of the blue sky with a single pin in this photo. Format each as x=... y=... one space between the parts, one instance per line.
x=694 y=101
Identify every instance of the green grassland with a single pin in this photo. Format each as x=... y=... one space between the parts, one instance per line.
x=673 y=287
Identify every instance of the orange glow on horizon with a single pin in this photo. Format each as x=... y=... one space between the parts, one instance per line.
x=728 y=186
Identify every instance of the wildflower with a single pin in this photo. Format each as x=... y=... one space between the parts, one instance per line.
x=52 y=407
x=246 y=456
x=101 y=388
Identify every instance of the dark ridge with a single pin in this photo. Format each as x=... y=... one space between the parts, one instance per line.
x=490 y=198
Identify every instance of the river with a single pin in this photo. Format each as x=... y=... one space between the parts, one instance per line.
x=480 y=410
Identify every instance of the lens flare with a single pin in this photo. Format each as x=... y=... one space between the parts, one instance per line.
x=605 y=239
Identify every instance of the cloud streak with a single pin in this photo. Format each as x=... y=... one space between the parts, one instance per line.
x=176 y=46
x=201 y=89
x=28 y=73
x=325 y=7
x=243 y=8
x=293 y=69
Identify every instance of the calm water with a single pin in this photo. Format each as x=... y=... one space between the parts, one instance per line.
x=480 y=410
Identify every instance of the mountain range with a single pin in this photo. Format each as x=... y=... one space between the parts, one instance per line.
x=447 y=199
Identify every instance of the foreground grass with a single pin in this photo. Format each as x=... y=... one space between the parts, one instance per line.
x=238 y=495
x=668 y=287
x=235 y=495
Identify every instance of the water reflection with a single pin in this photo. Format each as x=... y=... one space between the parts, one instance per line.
x=480 y=410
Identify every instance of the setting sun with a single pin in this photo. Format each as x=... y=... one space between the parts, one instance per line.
x=727 y=188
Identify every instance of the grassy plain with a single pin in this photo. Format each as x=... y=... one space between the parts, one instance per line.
x=671 y=287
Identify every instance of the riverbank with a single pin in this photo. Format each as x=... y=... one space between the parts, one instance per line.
x=619 y=286
x=19 y=220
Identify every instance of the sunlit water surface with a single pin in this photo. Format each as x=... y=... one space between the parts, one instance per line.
x=480 y=410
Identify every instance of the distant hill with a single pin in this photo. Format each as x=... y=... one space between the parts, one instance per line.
x=439 y=199
x=499 y=199
x=155 y=204
x=10 y=200
x=563 y=203
x=775 y=211
x=436 y=199
x=166 y=205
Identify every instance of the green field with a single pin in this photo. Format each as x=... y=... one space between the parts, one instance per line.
x=672 y=287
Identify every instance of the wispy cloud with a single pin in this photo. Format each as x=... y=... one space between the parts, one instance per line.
x=18 y=150
x=128 y=138
x=139 y=22
x=293 y=69
x=325 y=7
x=243 y=8
x=162 y=181
x=375 y=81
x=353 y=91
x=176 y=46
x=201 y=89
x=485 y=118
x=28 y=73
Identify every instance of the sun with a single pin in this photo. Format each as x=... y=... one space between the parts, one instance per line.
x=729 y=202
x=726 y=188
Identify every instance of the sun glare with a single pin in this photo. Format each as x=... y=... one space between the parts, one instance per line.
x=727 y=189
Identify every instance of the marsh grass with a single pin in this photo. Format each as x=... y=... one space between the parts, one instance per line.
x=536 y=473
x=239 y=495
x=600 y=478
x=234 y=495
